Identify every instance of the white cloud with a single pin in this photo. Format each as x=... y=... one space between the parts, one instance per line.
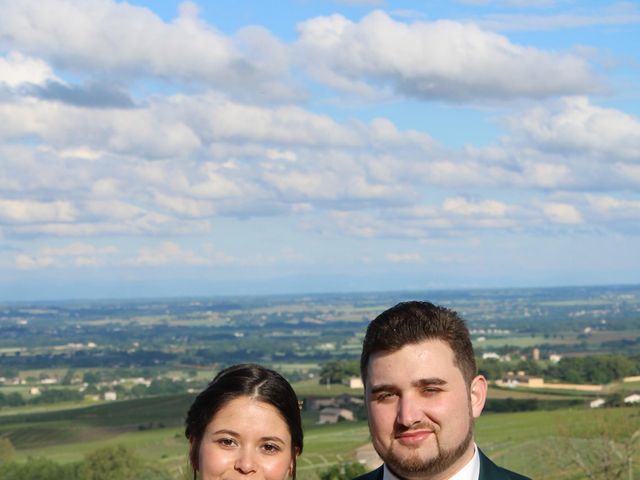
x=145 y=132
x=612 y=208
x=621 y=13
x=110 y=209
x=461 y=206
x=167 y=253
x=30 y=211
x=404 y=258
x=577 y=126
x=176 y=162
x=26 y=262
x=102 y=35
x=74 y=254
x=77 y=249
x=434 y=60
x=562 y=213
x=185 y=207
x=17 y=69
x=628 y=171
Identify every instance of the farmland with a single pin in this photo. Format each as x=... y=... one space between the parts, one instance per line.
x=138 y=364
x=523 y=441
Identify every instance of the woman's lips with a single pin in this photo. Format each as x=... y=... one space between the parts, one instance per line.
x=414 y=437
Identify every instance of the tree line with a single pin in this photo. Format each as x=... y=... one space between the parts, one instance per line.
x=108 y=463
x=593 y=369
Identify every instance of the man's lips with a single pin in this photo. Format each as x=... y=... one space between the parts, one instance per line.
x=413 y=437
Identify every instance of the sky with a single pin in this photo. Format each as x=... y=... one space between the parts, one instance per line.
x=164 y=148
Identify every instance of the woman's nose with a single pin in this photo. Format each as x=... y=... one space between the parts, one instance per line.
x=245 y=462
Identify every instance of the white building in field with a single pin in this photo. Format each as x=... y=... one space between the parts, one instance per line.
x=111 y=396
x=633 y=398
x=597 y=403
x=354 y=382
x=555 y=358
x=334 y=415
x=490 y=355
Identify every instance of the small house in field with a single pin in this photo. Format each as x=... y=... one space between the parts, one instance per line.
x=633 y=398
x=318 y=403
x=111 y=396
x=334 y=415
x=354 y=382
x=597 y=403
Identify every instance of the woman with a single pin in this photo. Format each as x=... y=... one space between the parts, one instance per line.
x=246 y=423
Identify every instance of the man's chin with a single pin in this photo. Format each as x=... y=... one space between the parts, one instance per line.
x=411 y=462
x=408 y=466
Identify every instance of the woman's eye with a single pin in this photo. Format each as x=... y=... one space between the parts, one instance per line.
x=225 y=442
x=271 y=448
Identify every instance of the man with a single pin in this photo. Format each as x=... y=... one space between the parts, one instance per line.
x=422 y=393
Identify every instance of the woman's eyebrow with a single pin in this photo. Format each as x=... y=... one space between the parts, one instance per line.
x=226 y=431
x=272 y=439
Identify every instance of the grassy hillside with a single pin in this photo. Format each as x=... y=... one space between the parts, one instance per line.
x=536 y=443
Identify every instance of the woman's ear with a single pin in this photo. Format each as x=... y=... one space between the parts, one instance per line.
x=292 y=465
x=193 y=455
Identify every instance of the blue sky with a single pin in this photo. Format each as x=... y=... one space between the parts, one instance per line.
x=213 y=148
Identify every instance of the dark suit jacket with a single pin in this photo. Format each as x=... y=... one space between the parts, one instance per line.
x=488 y=471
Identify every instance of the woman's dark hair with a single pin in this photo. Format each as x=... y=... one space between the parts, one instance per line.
x=243 y=380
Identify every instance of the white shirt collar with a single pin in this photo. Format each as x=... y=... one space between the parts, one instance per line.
x=471 y=470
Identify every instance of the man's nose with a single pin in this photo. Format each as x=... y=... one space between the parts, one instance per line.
x=409 y=412
x=245 y=463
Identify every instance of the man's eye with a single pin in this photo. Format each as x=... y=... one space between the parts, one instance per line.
x=382 y=396
x=431 y=390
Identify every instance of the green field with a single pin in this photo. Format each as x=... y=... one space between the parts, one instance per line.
x=312 y=387
x=529 y=442
x=595 y=337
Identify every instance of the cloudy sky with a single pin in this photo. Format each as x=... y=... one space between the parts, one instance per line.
x=158 y=148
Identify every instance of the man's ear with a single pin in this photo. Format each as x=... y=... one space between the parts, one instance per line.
x=478 y=395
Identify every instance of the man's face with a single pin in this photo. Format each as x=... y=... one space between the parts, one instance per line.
x=421 y=411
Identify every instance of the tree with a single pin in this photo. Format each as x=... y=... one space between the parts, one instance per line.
x=601 y=449
x=68 y=378
x=343 y=471
x=37 y=469
x=117 y=463
x=91 y=378
x=7 y=450
x=335 y=371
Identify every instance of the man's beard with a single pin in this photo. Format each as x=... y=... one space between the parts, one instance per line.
x=419 y=467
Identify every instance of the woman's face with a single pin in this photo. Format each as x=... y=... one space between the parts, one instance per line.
x=247 y=438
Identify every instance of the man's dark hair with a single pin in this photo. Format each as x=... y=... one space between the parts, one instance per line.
x=414 y=322
x=243 y=380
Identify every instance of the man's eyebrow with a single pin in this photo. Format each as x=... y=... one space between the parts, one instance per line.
x=383 y=388
x=422 y=382
x=428 y=382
